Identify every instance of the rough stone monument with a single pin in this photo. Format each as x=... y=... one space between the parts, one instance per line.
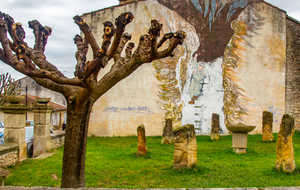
x=267 y=126
x=142 y=146
x=215 y=127
x=185 y=147
x=15 y=122
x=168 y=135
x=42 y=121
x=285 y=151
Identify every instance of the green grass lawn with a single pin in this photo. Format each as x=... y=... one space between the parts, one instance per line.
x=112 y=163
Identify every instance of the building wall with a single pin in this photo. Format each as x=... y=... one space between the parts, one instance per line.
x=134 y=100
x=35 y=89
x=58 y=118
x=230 y=64
x=261 y=73
x=293 y=68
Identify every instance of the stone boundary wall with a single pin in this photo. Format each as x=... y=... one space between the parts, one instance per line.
x=57 y=139
x=8 y=154
x=53 y=188
x=9 y=151
x=292 y=82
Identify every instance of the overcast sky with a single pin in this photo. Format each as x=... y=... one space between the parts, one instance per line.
x=58 y=14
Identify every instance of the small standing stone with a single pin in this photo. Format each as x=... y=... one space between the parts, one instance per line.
x=267 y=126
x=215 y=127
x=185 y=145
x=285 y=151
x=168 y=135
x=142 y=146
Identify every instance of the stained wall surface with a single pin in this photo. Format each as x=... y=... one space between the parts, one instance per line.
x=232 y=63
x=292 y=70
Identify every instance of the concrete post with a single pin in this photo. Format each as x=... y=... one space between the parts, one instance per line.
x=42 y=120
x=14 y=123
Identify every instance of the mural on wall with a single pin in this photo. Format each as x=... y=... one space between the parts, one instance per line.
x=247 y=25
x=198 y=83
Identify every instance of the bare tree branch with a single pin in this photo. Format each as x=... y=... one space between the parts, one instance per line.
x=128 y=51
x=41 y=35
x=120 y=22
x=141 y=55
x=3 y=56
x=63 y=89
x=124 y=39
x=166 y=37
x=154 y=33
x=84 y=27
x=27 y=54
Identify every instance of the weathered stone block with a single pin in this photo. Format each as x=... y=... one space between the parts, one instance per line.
x=215 y=127
x=14 y=120
x=41 y=138
x=142 y=146
x=42 y=130
x=22 y=151
x=267 y=126
x=239 y=142
x=185 y=147
x=42 y=116
x=14 y=135
x=285 y=151
x=39 y=146
x=168 y=135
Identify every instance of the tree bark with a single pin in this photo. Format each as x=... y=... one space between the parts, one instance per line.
x=73 y=170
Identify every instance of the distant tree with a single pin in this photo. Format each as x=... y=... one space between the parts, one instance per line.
x=8 y=86
x=82 y=91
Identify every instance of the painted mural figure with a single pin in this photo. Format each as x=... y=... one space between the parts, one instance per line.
x=220 y=31
x=197 y=82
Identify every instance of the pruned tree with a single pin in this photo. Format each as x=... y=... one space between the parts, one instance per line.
x=85 y=88
x=8 y=87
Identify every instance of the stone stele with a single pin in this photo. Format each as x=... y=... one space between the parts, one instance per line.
x=142 y=146
x=285 y=152
x=267 y=126
x=215 y=127
x=185 y=147
x=168 y=135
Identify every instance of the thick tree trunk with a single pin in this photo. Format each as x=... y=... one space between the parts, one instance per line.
x=73 y=171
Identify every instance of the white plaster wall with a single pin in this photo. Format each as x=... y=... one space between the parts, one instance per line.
x=116 y=113
x=133 y=101
x=211 y=101
x=263 y=74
